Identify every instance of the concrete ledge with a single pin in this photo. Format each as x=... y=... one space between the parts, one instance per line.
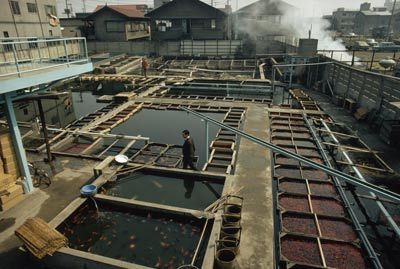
x=63 y=215
x=179 y=171
x=150 y=206
x=71 y=258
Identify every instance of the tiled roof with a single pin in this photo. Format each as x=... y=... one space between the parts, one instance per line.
x=132 y=11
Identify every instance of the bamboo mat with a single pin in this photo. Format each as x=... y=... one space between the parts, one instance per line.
x=39 y=238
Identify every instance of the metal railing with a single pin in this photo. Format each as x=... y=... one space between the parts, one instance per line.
x=330 y=171
x=19 y=56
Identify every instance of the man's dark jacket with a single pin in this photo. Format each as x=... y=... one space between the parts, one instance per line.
x=188 y=148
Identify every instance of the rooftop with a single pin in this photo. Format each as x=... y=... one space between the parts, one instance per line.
x=375 y=13
x=130 y=11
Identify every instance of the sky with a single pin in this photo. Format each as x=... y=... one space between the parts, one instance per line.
x=315 y=8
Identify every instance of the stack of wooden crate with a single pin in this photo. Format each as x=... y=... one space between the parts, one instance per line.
x=11 y=193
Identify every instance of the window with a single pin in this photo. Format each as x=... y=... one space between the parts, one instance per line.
x=32 y=7
x=15 y=8
x=50 y=32
x=136 y=26
x=163 y=26
x=50 y=10
x=115 y=26
x=213 y=24
x=7 y=47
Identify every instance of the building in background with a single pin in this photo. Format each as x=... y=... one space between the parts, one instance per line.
x=372 y=22
x=188 y=19
x=389 y=5
x=159 y=3
x=21 y=18
x=76 y=26
x=118 y=23
x=262 y=20
x=343 y=20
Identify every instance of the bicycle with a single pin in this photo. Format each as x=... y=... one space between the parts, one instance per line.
x=39 y=176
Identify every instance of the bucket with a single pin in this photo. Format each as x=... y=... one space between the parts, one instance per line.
x=231 y=231
x=230 y=220
x=233 y=209
x=230 y=243
x=235 y=200
x=225 y=258
x=88 y=190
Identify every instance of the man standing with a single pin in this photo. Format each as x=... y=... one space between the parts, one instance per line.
x=188 y=150
x=145 y=66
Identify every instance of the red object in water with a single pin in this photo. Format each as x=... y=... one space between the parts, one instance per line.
x=298 y=187
x=327 y=206
x=343 y=256
x=336 y=229
x=295 y=223
x=294 y=203
x=323 y=189
x=301 y=250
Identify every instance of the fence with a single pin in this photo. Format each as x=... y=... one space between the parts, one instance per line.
x=210 y=47
x=145 y=47
x=370 y=90
x=24 y=55
x=189 y=47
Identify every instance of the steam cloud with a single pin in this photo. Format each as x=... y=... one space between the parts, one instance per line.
x=300 y=22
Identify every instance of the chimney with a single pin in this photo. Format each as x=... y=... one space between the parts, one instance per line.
x=365 y=6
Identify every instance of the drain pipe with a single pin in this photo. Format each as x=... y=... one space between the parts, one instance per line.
x=333 y=172
x=382 y=208
x=371 y=252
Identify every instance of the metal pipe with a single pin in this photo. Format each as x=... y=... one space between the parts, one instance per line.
x=382 y=208
x=45 y=135
x=333 y=172
x=41 y=40
x=390 y=21
x=17 y=143
x=207 y=140
x=76 y=132
x=16 y=60
x=66 y=51
x=371 y=252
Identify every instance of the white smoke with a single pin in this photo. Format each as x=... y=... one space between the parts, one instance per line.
x=300 y=21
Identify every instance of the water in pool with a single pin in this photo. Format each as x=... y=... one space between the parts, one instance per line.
x=165 y=126
x=85 y=103
x=142 y=237
x=181 y=191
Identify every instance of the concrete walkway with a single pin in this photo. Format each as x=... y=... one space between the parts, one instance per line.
x=253 y=173
x=44 y=203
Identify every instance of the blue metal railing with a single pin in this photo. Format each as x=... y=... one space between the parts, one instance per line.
x=21 y=55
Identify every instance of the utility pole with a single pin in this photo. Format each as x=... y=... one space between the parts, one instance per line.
x=84 y=6
x=390 y=21
x=66 y=8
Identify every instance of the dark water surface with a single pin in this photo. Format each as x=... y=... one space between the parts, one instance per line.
x=187 y=192
x=165 y=126
x=145 y=238
x=85 y=103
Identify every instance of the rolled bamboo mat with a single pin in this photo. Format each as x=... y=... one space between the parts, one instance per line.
x=39 y=238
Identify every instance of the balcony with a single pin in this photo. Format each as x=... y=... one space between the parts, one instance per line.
x=29 y=61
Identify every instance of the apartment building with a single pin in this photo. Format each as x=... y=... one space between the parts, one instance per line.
x=24 y=18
